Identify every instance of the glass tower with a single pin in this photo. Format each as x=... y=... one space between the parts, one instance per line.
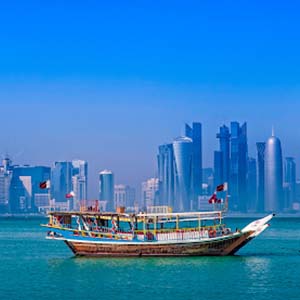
x=252 y=185
x=106 y=188
x=273 y=175
x=238 y=167
x=218 y=168
x=260 y=146
x=224 y=139
x=165 y=161
x=290 y=180
x=61 y=180
x=195 y=133
x=183 y=153
x=79 y=181
x=25 y=186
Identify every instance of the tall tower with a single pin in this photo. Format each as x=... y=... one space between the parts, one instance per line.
x=183 y=153
x=290 y=180
x=218 y=168
x=106 y=188
x=195 y=133
x=238 y=166
x=5 y=180
x=165 y=159
x=260 y=146
x=224 y=138
x=61 y=180
x=273 y=175
x=252 y=185
x=79 y=181
x=150 y=192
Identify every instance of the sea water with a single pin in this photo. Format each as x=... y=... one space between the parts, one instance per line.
x=32 y=267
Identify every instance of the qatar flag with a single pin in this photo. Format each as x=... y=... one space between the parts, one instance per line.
x=70 y=195
x=213 y=199
x=222 y=187
x=45 y=185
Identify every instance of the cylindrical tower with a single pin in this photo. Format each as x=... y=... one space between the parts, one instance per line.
x=183 y=149
x=106 y=188
x=273 y=175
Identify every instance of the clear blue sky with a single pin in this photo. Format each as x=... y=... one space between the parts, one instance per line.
x=108 y=81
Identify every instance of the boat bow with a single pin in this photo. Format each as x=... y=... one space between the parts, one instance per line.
x=258 y=226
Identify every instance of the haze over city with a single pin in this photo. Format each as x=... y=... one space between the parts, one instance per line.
x=111 y=88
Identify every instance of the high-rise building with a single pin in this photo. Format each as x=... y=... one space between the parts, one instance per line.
x=252 y=185
x=183 y=154
x=150 y=190
x=290 y=180
x=260 y=146
x=218 y=168
x=61 y=180
x=180 y=170
x=5 y=179
x=238 y=167
x=25 y=187
x=195 y=133
x=165 y=159
x=273 y=175
x=224 y=140
x=124 y=195
x=106 y=188
x=79 y=182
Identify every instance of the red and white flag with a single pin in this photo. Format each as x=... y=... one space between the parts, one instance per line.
x=70 y=195
x=45 y=184
x=213 y=198
x=222 y=187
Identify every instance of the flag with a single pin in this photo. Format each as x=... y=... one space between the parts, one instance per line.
x=222 y=187
x=45 y=184
x=70 y=195
x=213 y=199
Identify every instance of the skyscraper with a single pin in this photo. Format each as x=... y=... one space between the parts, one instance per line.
x=183 y=153
x=273 y=175
x=5 y=179
x=165 y=159
x=61 y=180
x=106 y=188
x=150 y=190
x=180 y=170
x=290 y=180
x=224 y=166
x=252 y=185
x=218 y=168
x=195 y=133
x=79 y=181
x=124 y=195
x=260 y=146
x=25 y=187
x=238 y=167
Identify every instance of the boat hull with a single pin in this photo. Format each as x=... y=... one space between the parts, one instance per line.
x=210 y=247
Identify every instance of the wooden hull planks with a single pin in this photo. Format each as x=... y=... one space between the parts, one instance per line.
x=213 y=247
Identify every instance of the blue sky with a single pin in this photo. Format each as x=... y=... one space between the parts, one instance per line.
x=109 y=82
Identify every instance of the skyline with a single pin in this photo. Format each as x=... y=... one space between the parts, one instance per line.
x=107 y=83
x=93 y=183
x=119 y=163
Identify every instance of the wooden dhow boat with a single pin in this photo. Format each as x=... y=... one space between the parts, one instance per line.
x=103 y=234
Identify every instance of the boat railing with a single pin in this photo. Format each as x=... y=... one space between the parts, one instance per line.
x=183 y=233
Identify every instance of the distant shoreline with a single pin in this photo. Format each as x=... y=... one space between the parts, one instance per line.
x=229 y=215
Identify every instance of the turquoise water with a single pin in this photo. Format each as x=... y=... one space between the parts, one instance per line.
x=34 y=268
